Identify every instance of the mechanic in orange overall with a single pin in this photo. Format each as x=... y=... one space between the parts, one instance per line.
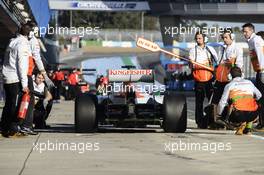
x=241 y=96
x=203 y=78
x=231 y=55
x=73 y=80
x=58 y=78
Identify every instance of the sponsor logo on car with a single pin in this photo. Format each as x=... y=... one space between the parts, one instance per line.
x=130 y=72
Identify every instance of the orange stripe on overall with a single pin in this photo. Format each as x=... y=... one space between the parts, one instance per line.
x=223 y=70
x=31 y=65
x=242 y=101
x=202 y=75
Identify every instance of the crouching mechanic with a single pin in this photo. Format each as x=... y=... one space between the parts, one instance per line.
x=43 y=102
x=241 y=96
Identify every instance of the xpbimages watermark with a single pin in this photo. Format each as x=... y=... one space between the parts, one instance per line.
x=212 y=147
x=79 y=147
x=80 y=31
x=183 y=30
x=123 y=88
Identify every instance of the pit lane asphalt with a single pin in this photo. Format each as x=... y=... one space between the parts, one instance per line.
x=130 y=151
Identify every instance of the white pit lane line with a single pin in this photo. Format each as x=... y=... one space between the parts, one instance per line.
x=257 y=137
x=252 y=135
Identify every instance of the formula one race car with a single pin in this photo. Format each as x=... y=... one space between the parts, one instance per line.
x=131 y=98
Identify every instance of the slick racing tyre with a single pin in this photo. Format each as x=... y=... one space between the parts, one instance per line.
x=175 y=113
x=85 y=113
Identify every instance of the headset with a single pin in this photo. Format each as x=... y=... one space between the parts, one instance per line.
x=231 y=34
x=204 y=37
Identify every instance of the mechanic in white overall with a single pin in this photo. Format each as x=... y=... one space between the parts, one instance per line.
x=256 y=53
x=15 y=81
x=203 y=78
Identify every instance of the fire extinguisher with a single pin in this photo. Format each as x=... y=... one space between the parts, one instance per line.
x=23 y=106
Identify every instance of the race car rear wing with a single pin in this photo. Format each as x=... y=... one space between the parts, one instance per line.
x=88 y=72
x=91 y=72
x=130 y=75
x=78 y=69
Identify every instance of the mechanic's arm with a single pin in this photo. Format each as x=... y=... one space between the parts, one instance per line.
x=222 y=52
x=47 y=98
x=259 y=45
x=36 y=54
x=256 y=92
x=224 y=100
x=23 y=56
x=191 y=57
x=216 y=59
x=239 y=57
x=48 y=95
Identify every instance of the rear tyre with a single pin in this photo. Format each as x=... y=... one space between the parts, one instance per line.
x=85 y=114
x=175 y=113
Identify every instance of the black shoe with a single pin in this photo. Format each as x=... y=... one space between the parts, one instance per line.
x=47 y=126
x=202 y=125
x=28 y=131
x=247 y=131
